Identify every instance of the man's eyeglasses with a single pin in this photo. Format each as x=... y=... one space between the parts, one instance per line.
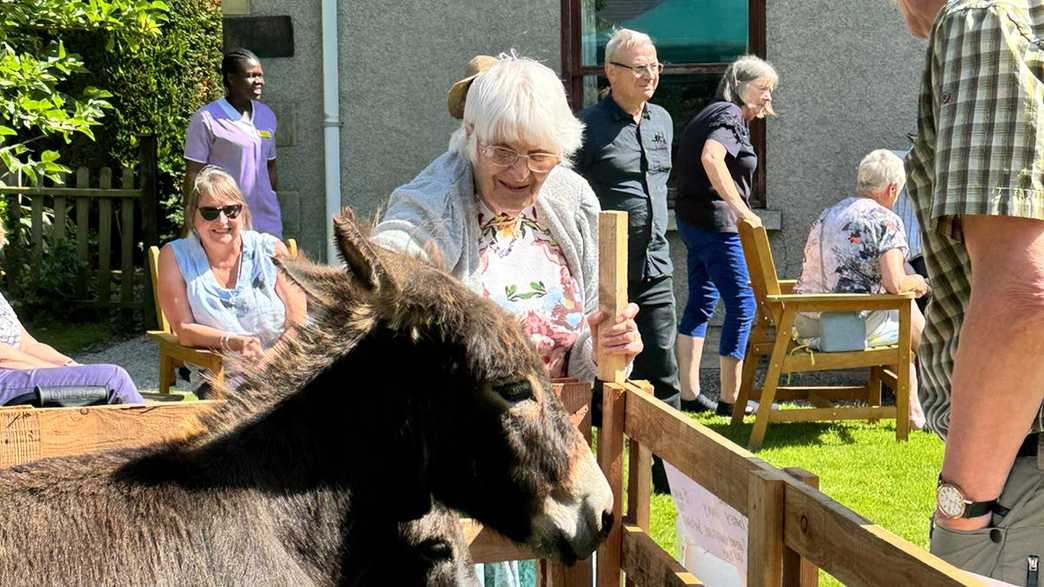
x=505 y=157
x=649 y=69
x=210 y=213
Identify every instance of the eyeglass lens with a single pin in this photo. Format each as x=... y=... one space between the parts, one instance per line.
x=537 y=162
x=210 y=213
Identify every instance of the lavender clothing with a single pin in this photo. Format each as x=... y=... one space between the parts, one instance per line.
x=15 y=382
x=242 y=145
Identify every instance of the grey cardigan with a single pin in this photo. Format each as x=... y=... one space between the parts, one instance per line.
x=439 y=209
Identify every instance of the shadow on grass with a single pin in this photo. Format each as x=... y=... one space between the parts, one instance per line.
x=788 y=434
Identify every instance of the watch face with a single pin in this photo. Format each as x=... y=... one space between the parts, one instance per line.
x=949 y=500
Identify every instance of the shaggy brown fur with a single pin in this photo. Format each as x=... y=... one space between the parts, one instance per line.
x=329 y=466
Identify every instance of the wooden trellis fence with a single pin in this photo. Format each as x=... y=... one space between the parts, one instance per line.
x=122 y=217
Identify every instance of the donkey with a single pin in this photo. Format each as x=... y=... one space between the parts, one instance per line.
x=339 y=462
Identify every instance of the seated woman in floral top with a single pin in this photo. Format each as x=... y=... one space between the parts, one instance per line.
x=859 y=246
x=28 y=367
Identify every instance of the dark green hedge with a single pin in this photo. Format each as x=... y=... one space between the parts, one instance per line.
x=154 y=93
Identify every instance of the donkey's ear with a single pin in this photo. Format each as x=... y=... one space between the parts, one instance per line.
x=321 y=283
x=359 y=254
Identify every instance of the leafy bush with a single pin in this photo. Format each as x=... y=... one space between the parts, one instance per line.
x=155 y=90
x=36 y=72
x=43 y=286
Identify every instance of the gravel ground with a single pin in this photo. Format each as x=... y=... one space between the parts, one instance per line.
x=140 y=357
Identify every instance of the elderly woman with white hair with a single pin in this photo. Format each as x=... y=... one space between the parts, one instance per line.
x=859 y=246
x=502 y=212
x=716 y=163
x=509 y=218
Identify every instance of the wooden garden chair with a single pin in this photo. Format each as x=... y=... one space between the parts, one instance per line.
x=772 y=337
x=174 y=355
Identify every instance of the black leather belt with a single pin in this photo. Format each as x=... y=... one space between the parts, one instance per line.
x=1029 y=446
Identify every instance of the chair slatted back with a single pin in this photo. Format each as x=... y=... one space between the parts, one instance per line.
x=763 y=278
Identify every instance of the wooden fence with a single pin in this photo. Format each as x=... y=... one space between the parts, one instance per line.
x=123 y=218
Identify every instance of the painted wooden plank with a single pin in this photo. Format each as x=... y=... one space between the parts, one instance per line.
x=612 y=283
x=83 y=208
x=104 y=238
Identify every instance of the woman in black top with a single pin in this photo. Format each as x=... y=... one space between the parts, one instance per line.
x=717 y=164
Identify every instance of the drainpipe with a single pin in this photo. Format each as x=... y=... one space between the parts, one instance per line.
x=331 y=123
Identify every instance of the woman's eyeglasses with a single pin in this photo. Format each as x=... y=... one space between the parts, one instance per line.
x=505 y=157
x=210 y=213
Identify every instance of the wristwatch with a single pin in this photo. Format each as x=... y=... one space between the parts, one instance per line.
x=952 y=504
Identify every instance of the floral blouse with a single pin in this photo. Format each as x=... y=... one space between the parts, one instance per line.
x=523 y=270
x=10 y=326
x=844 y=247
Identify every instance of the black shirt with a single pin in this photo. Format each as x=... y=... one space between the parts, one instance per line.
x=698 y=203
x=627 y=165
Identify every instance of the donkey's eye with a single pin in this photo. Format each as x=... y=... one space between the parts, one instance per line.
x=515 y=390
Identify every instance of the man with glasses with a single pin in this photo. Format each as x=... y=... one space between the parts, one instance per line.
x=626 y=157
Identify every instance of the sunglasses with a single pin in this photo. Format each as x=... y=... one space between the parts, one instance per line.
x=210 y=213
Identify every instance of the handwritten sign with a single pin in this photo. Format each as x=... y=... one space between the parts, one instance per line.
x=713 y=536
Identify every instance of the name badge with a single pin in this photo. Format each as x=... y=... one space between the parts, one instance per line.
x=264 y=134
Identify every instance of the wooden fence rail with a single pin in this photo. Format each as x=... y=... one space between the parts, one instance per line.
x=792 y=526
x=123 y=215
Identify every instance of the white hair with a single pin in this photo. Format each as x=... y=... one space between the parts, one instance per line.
x=741 y=73
x=518 y=100
x=878 y=169
x=624 y=39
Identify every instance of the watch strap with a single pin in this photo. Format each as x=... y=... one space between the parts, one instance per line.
x=978 y=508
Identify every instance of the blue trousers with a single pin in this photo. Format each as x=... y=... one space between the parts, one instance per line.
x=717 y=270
x=15 y=382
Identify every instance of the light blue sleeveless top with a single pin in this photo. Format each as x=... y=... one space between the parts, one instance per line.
x=250 y=308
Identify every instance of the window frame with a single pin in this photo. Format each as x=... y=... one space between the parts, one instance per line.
x=573 y=73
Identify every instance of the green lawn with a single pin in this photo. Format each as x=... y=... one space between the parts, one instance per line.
x=70 y=338
x=859 y=464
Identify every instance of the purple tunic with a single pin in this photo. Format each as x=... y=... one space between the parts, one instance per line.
x=242 y=146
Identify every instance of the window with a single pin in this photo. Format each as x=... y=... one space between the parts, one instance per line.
x=695 y=39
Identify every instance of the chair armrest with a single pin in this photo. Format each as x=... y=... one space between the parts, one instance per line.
x=830 y=302
x=786 y=286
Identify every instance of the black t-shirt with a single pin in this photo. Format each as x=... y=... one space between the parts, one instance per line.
x=698 y=203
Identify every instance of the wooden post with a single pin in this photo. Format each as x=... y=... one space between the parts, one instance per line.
x=612 y=298
x=610 y=459
x=639 y=477
x=104 y=238
x=766 y=501
x=798 y=572
x=83 y=207
x=148 y=180
x=612 y=283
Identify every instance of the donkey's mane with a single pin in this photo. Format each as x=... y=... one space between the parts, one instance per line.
x=342 y=311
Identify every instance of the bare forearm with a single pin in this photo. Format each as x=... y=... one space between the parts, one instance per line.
x=12 y=358
x=200 y=336
x=45 y=352
x=724 y=185
x=995 y=395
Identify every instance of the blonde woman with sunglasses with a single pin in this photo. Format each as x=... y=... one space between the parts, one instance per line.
x=218 y=285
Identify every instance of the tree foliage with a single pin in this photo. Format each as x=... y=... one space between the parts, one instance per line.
x=37 y=74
